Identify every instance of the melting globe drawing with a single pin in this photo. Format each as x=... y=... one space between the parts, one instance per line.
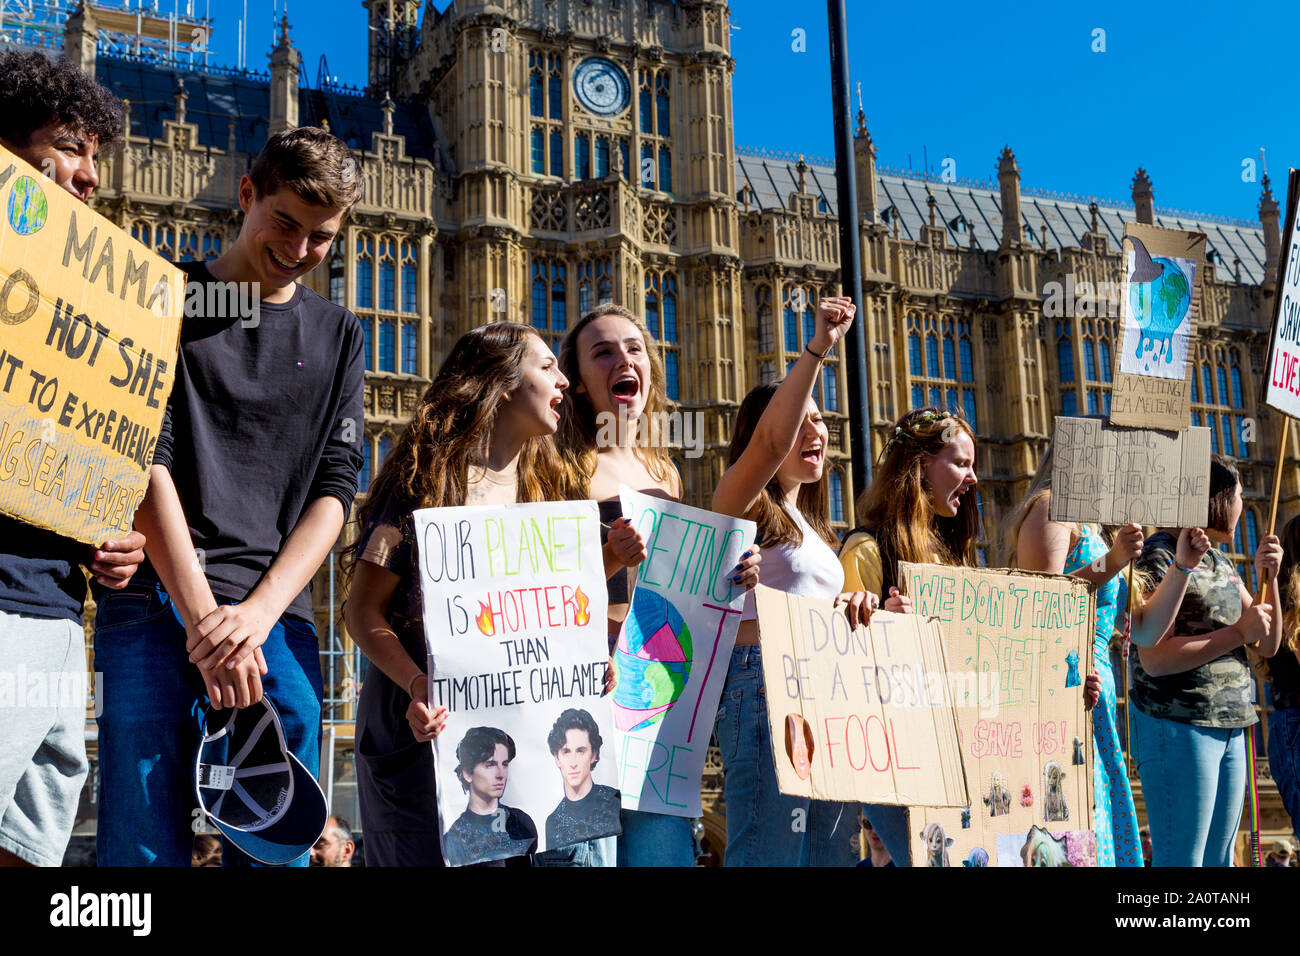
x=653 y=659
x=1160 y=306
x=28 y=207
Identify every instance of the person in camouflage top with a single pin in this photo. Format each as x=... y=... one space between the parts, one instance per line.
x=1192 y=687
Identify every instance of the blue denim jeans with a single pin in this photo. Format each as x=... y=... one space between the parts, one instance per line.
x=149 y=728
x=588 y=853
x=1194 y=785
x=1284 y=760
x=655 y=839
x=764 y=826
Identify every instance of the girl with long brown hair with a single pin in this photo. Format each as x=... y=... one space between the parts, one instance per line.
x=920 y=508
x=776 y=477
x=481 y=435
x=1284 y=672
x=610 y=435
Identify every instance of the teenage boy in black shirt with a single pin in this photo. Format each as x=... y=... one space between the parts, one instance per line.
x=254 y=473
x=56 y=118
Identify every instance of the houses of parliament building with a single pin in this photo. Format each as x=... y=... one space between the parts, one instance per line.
x=525 y=160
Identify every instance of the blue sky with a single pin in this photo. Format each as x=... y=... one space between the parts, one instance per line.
x=961 y=79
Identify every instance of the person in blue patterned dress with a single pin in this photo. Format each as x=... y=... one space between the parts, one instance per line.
x=1039 y=544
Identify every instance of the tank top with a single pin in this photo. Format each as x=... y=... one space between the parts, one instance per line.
x=810 y=569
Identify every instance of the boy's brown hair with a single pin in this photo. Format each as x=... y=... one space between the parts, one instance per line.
x=318 y=167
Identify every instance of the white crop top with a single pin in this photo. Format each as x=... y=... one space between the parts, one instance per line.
x=810 y=570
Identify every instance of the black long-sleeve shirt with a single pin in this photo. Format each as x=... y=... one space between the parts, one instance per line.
x=263 y=420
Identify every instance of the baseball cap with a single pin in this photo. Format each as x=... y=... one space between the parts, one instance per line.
x=257 y=793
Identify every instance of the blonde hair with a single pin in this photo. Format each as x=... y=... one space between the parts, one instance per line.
x=576 y=437
x=896 y=508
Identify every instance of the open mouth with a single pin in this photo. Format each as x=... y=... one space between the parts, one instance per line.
x=283 y=266
x=555 y=406
x=812 y=455
x=626 y=389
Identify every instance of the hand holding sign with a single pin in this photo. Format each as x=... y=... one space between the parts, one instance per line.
x=113 y=564
x=1192 y=545
x=1127 y=546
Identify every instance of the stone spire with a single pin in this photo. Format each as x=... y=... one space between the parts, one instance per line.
x=284 y=82
x=1009 y=180
x=79 y=38
x=864 y=167
x=1268 y=218
x=180 y=97
x=1143 y=198
x=387 y=107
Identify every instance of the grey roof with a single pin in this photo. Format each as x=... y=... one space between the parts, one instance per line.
x=978 y=207
x=214 y=96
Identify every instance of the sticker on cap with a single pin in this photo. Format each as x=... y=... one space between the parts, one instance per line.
x=216 y=777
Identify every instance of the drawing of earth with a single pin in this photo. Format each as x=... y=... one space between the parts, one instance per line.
x=1159 y=306
x=28 y=208
x=653 y=660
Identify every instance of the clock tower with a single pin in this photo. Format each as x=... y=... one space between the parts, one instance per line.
x=591 y=154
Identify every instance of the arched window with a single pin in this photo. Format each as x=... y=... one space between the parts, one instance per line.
x=536 y=104
x=385 y=446
x=914 y=353
x=809 y=324
x=337 y=290
x=1089 y=362
x=652 y=307
x=368 y=342
x=1207 y=386
x=1196 y=389
x=387 y=279
x=410 y=288
x=830 y=390
x=766 y=333
x=670 y=308
x=539 y=296
x=967 y=361
x=932 y=357
x=644 y=103
x=837 y=496
x=1106 y=369
x=949 y=357
x=791 y=330
x=1238 y=397
x=553 y=87
x=1222 y=378
x=602 y=157
x=661 y=103
x=665 y=169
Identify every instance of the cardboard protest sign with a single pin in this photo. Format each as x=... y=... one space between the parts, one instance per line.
x=1025 y=736
x=863 y=714
x=1109 y=475
x=515 y=617
x=1160 y=303
x=674 y=649
x=1282 y=390
x=91 y=320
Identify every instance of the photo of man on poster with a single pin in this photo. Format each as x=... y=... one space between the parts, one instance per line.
x=488 y=830
x=588 y=809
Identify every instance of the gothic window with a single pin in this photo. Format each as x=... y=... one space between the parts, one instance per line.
x=547 y=308
x=368 y=342
x=387 y=275
x=627 y=162
x=1107 y=366
x=211 y=246
x=553 y=86
x=661 y=103
x=365 y=272
x=1238 y=393
x=830 y=390
x=536 y=102
x=1064 y=354
x=337 y=284
x=665 y=170
x=410 y=289
x=385 y=447
x=661 y=320
x=602 y=157
x=189 y=247
x=967 y=354
x=837 y=497
x=646 y=116
x=557 y=153
x=558 y=322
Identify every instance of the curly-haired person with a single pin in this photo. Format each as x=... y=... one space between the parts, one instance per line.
x=56 y=118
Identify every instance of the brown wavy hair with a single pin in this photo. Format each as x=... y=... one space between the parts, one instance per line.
x=576 y=437
x=452 y=426
x=775 y=526
x=895 y=508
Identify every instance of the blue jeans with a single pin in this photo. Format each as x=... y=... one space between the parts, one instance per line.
x=655 y=839
x=764 y=826
x=1194 y=784
x=1284 y=760
x=149 y=728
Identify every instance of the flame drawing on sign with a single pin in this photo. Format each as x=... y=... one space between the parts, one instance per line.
x=484 y=619
x=580 y=616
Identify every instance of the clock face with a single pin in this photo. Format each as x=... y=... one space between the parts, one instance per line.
x=601 y=86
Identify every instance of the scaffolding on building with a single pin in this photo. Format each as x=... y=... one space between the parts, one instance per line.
x=130 y=28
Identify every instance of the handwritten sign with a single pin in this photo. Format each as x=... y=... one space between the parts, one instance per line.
x=1111 y=475
x=515 y=620
x=1159 y=306
x=1282 y=390
x=673 y=650
x=1026 y=739
x=90 y=321
x=863 y=714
